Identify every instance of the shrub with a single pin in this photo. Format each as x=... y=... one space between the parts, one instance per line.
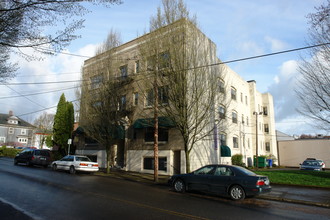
x=237 y=159
x=8 y=152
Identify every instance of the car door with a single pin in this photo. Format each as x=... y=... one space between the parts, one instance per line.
x=61 y=164
x=221 y=179
x=200 y=180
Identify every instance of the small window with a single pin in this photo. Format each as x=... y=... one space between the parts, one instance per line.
x=265 y=110
x=11 y=130
x=223 y=141
x=137 y=66
x=234 y=117
x=267 y=146
x=242 y=97
x=266 y=128
x=233 y=93
x=148 y=163
x=247 y=121
x=163 y=95
x=164 y=60
x=150 y=134
x=149 y=98
x=123 y=72
x=96 y=81
x=23 y=132
x=222 y=112
x=235 y=142
x=246 y=100
x=221 y=86
x=123 y=102
x=135 y=98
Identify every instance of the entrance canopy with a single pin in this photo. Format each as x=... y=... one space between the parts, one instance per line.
x=225 y=151
x=149 y=122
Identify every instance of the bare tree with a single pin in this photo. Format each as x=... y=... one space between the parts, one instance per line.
x=44 y=124
x=103 y=105
x=178 y=56
x=313 y=89
x=47 y=26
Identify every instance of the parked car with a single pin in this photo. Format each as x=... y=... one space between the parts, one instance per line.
x=235 y=181
x=33 y=157
x=312 y=164
x=74 y=163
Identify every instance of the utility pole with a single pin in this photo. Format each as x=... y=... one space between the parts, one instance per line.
x=156 y=127
x=256 y=114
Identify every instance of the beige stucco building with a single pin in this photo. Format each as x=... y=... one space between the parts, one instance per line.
x=236 y=108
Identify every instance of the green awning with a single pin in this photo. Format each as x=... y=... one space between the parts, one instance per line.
x=225 y=151
x=149 y=122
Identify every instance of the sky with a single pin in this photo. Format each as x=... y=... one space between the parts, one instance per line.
x=239 y=28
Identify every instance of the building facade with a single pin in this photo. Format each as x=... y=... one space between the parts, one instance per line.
x=240 y=120
x=15 y=132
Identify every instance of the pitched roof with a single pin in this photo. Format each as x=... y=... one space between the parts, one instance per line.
x=21 y=122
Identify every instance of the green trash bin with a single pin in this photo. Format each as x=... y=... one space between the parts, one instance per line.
x=261 y=162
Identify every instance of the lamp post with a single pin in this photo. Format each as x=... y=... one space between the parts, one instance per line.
x=256 y=114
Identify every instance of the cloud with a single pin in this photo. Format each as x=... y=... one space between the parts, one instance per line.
x=282 y=89
x=276 y=45
x=62 y=67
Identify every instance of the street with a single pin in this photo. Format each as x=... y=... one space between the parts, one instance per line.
x=44 y=194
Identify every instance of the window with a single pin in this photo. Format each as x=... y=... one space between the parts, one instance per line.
x=148 y=163
x=223 y=139
x=221 y=86
x=234 y=117
x=223 y=171
x=243 y=119
x=22 y=140
x=266 y=128
x=247 y=121
x=222 y=112
x=267 y=146
x=150 y=133
x=23 y=131
x=151 y=63
x=96 y=81
x=235 y=142
x=233 y=93
x=164 y=60
x=150 y=98
x=11 y=131
x=2 y=139
x=208 y=170
x=242 y=97
x=123 y=102
x=137 y=66
x=163 y=95
x=246 y=100
x=123 y=72
x=135 y=98
x=265 y=110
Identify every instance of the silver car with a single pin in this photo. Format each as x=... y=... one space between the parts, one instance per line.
x=312 y=164
x=74 y=163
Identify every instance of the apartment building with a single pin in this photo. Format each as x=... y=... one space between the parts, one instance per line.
x=229 y=126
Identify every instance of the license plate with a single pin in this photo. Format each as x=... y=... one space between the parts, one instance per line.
x=42 y=158
x=89 y=165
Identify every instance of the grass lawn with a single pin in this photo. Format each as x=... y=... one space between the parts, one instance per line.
x=298 y=177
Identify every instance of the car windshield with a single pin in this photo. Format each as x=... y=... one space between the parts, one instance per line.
x=246 y=171
x=312 y=163
x=86 y=159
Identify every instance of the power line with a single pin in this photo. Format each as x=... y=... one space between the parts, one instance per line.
x=41 y=83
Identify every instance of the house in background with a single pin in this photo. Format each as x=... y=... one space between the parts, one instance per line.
x=15 y=132
x=245 y=126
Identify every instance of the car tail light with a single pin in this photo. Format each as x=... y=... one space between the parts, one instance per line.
x=32 y=158
x=260 y=182
x=95 y=165
x=83 y=164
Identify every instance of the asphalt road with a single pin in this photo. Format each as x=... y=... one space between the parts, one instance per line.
x=39 y=193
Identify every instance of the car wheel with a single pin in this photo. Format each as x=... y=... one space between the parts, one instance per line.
x=54 y=167
x=72 y=170
x=179 y=186
x=236 y=193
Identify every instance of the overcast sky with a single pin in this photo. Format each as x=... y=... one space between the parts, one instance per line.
x=239 y=28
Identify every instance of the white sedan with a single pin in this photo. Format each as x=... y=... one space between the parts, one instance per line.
x=75 y=163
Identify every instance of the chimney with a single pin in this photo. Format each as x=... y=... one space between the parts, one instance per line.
x=11 y=113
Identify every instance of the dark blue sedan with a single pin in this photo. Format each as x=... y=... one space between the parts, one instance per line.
x=235 y=181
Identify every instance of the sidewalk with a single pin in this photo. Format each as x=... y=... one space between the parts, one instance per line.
x=284 y=193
